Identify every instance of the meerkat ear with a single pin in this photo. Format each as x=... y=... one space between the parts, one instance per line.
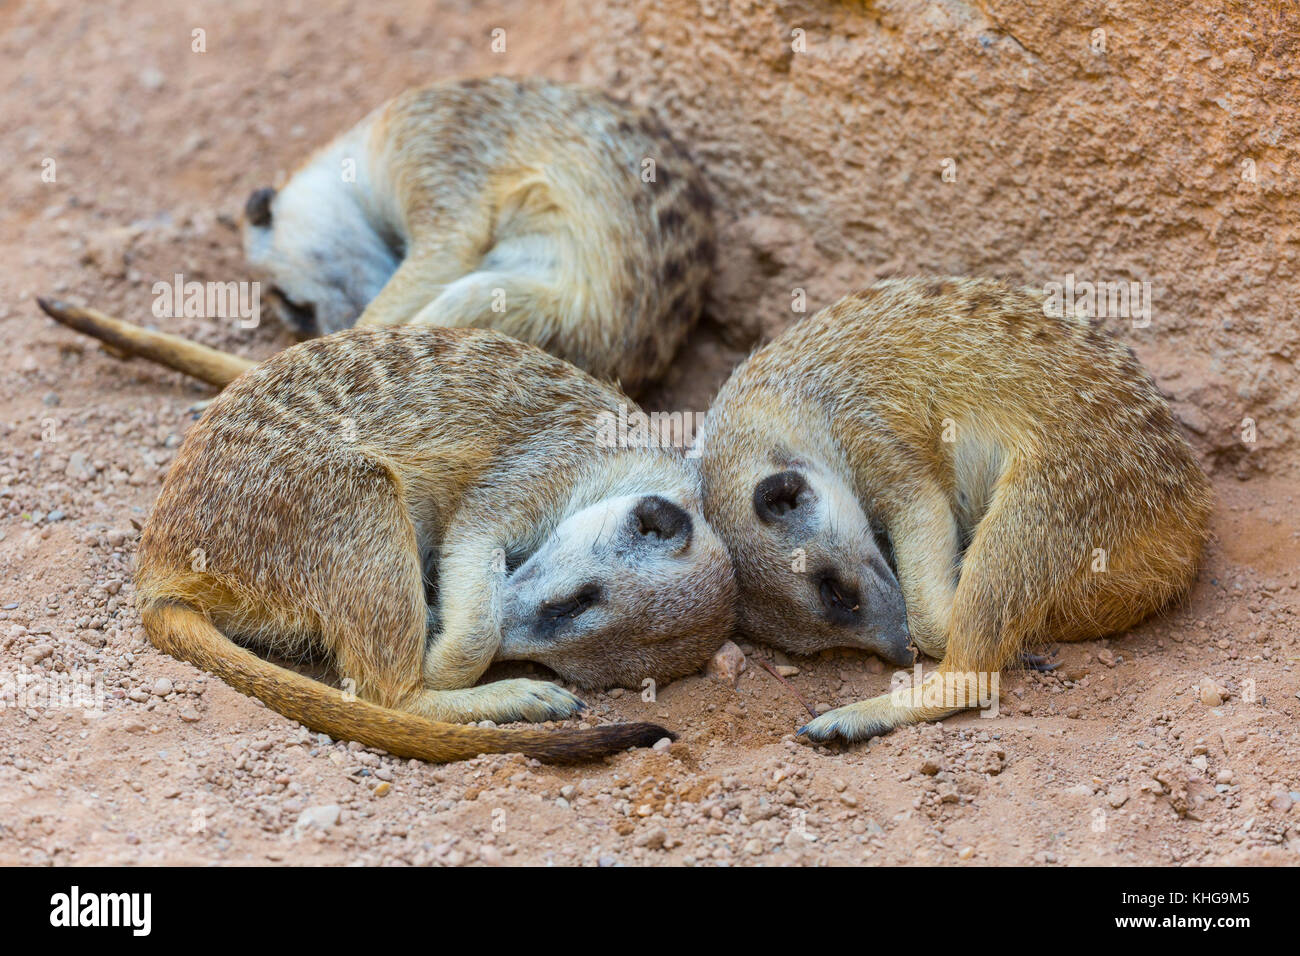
x=776 y=496
x=257 y=210
x=659 y=520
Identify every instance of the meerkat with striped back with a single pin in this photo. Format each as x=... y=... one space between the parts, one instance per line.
x=553 y=213
x=940 y=462
x=418 y=503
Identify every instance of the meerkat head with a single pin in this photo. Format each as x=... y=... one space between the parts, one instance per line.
x=813 y=571
x=629 y=588
x=320 y=262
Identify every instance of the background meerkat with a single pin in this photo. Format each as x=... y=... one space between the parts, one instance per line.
x=553 y=213
x=1021 y=474
x=418 y=503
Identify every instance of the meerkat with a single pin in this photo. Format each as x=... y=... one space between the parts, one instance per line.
x=416 y=503
x=938 y=461
x=553 y=213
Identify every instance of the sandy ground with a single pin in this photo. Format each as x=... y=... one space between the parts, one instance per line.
x=1173 y=744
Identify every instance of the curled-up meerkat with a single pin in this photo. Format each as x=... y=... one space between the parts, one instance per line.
x=550 y=212
x=939 y=461
x=418 y=503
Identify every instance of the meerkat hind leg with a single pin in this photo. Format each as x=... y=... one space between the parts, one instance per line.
x=522 y=305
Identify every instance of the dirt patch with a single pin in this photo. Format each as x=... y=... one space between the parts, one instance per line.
x=1172 y=744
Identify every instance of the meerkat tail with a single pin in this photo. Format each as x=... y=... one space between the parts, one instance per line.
x=199 y=361
x=185 y=633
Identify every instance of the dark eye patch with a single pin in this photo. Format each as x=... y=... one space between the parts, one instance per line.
x=571 y=607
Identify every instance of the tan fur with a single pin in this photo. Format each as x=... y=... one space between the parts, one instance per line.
x=1060 y=445
x=521 y=205
x=318 y=494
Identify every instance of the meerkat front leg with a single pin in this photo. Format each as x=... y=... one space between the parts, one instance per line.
x=925 y=539
x=472 y=576
x=423 y=274
x=997 y=610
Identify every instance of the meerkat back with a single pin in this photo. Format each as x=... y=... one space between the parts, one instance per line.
x=954 y=468
x=552 y=213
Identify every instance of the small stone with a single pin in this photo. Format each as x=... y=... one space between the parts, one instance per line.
x=79 y=467
x=190 y=715
x=965 y=853
x=727 y=664
x=931 y=766
x=489 y=854
x=662 y=744
x=1211 y=696
x=383 y=789
x=787 y=670
x=652 y=839
x=139 y=695
x=162 y=687
x=1281 y=801
x=320 y=817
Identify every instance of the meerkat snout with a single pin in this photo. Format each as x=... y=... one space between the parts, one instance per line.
x=838 y=587
x=614 y=569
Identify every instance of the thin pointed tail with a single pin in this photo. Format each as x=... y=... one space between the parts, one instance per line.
x=185 y=633
x=206 y=364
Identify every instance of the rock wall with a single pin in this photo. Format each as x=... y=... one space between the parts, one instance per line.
x=1148 y=142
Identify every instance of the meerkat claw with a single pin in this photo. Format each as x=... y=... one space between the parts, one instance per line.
x=1042 y=663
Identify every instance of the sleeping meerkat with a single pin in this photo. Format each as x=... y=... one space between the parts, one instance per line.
x=937 y=459
x=550 y=212
x=417 y=503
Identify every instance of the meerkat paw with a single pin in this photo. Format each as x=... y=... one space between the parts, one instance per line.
x=860 y=721
x=505 y=701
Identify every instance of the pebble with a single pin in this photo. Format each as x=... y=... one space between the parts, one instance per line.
x=727 y=664
x=662 y=744
x=787 y=670
x=965 y=853
x=1211 y=696
x=383 y=789
x=320 y=817
x=162 y=687
x=1281 y=801
x=652 y=839
x=190 y=715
